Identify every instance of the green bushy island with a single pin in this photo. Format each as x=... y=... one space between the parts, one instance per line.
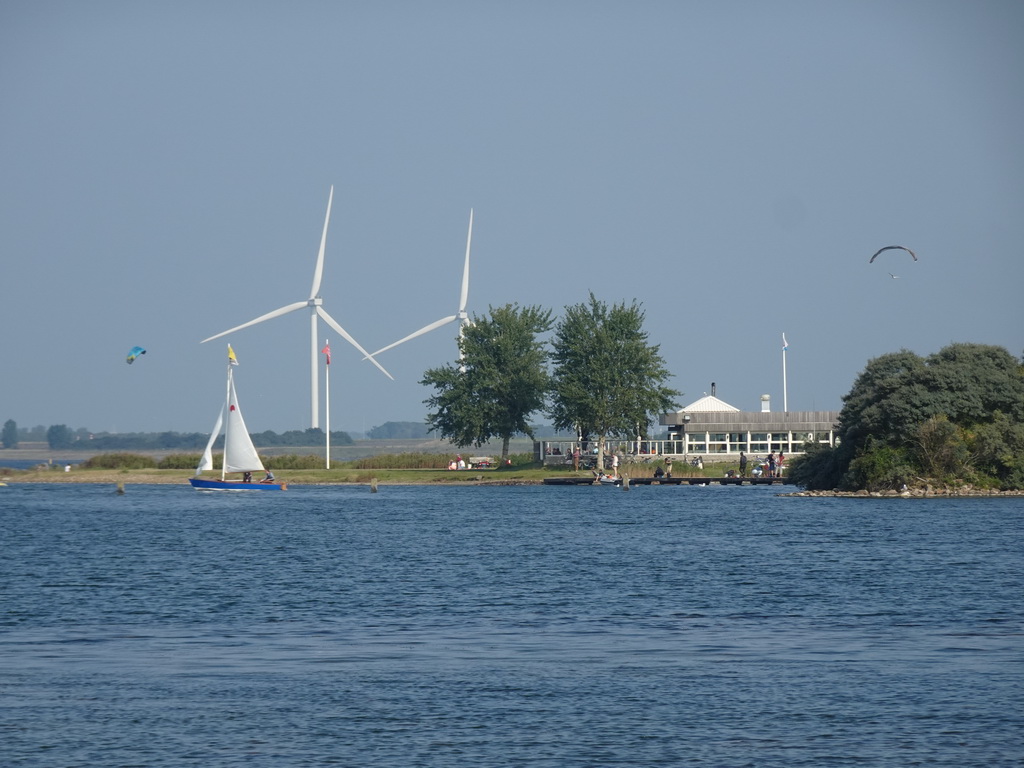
x=953 y=419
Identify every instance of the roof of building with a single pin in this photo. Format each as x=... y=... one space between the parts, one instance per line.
x=709 y=404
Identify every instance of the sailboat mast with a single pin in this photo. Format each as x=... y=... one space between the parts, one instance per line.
x=227 y=425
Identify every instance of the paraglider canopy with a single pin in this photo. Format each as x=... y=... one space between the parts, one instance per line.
x=133 y=353
x=891 y=247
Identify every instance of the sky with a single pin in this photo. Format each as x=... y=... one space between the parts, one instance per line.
x=731 y=167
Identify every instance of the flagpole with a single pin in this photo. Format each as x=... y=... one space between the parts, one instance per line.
x=327 y=402
x=785 y=401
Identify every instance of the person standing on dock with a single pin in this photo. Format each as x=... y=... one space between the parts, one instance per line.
x=668 y=466
x=743 y=464
x=771 y=464
x=576 y=459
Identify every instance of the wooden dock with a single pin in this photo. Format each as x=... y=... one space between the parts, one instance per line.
x=583 y=480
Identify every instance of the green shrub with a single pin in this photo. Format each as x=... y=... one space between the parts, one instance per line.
x=997 y=450
x=119 y=461
x=179 y=461
x=294 y=461
x=818 y=469
x=519 y=460
x=288 y=461
x=941 y=449
x=879 y=468
x=403 y=461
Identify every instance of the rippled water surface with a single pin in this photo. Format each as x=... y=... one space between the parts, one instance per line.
x=519 y=626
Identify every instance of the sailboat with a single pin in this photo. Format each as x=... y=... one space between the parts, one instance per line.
x=239 y=452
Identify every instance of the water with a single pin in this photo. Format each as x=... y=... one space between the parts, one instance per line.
x=525 y=626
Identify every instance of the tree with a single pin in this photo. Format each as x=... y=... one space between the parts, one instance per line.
x=498 y=382
x=59 y=436
x=887 y=398
x=10 y=434
x=607 y=379
x=398 y=430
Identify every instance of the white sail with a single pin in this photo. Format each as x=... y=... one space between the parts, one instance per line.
x=239 y=452
x=206 y=462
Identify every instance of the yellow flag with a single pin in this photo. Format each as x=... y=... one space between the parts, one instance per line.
x=231 y=356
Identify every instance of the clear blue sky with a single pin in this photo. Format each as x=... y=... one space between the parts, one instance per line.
x=164 y=171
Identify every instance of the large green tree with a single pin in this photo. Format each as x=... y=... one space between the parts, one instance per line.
x=59 y=436
x=954 y=415
x=10 y=434
x=607 y=379
x=398 y=430
x=499 y=381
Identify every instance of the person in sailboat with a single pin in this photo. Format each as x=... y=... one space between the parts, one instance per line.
x=269 y=478
x=247 y=477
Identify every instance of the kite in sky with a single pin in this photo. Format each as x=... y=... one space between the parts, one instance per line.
x=133 y=353
x=891 y=247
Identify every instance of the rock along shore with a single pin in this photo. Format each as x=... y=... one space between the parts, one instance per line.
x=927 y=492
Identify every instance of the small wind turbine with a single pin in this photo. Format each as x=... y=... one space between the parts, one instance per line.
x=462 y=316
x=315 y=304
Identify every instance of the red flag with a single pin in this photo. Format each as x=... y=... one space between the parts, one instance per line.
x=327 y=351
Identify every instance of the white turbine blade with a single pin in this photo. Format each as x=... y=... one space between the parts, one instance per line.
x=345 y=335
x=260 y=319
x=420 y=332
x=319 y=272
x=465 y=272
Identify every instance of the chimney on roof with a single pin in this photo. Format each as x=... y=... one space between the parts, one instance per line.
x=712 y=389
x=766 y=403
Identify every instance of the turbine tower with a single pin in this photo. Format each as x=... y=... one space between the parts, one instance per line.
x=462 y=316
x=315 y=304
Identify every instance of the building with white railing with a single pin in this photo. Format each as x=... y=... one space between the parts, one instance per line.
x=713 y=429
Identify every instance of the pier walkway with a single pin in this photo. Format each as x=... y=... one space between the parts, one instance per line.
x=590 y=480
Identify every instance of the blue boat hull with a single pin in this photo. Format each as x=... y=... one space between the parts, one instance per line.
x=203 y=484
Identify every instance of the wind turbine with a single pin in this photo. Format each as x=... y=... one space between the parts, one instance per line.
x=315 y=304
x=462 y=316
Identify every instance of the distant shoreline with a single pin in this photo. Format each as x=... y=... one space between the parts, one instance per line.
x=411 y=477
